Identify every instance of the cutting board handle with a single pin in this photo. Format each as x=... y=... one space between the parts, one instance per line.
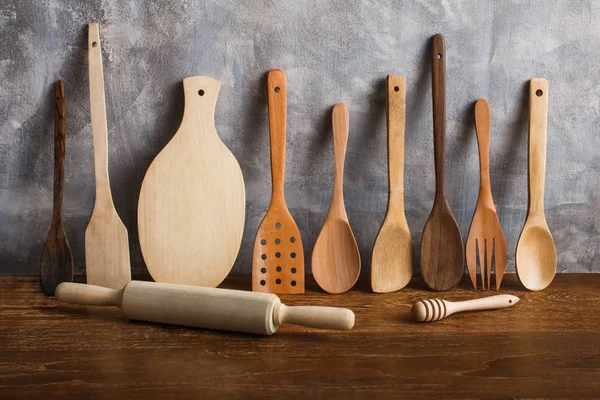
x=314 y=317
x=438 y=71
x=340 y=123
x=88 y=295
x=538 y=126
x=277 y=97
x=201 y=93
x=396 y=112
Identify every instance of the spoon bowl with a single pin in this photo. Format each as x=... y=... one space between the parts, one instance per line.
x=393 y=243
x=536 y=257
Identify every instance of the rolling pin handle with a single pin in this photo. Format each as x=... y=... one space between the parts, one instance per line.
x=314 y=317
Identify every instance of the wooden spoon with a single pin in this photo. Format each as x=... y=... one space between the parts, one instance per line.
x=106 y=242
x=278 y=260
x=335 y=258
x=536 y=253
x=56 y=265
x=442 y=253
x=392 y=259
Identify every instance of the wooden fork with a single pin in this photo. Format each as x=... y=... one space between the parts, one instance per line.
x=485 y=235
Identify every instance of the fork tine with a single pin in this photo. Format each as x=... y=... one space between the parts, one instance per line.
x=472 y=260
x=489 y=250
x=481 y=252
x=499 y=259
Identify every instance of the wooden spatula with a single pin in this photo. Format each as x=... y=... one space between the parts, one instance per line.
x=278 y=260
x=536 y=253
x=335 y=258
x=56 y=265
x=442 y=252
x=192 y=203
x=485 y=234
x=392 y=260
x=106 y=243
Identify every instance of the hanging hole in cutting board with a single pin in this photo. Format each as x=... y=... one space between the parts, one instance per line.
x=539 y=93
x=201 y=92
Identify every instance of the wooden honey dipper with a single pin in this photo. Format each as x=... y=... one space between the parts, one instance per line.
x=435 y=309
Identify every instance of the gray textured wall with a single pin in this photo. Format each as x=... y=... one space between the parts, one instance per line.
x=331 y=51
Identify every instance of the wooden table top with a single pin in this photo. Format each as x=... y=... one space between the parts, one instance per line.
x=546 y=346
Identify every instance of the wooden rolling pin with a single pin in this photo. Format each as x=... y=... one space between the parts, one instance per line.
x=436 y=309
x=203 y=307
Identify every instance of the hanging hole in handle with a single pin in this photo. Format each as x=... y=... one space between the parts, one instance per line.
x=94 y=44
x=439 y=56
x=57 y=98
x=396 y=89
x=539 y=93
x=201 y=92
x=277 y=90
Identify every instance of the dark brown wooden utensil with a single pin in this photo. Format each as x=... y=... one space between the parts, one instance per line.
x=56 y=265
x=442 y=253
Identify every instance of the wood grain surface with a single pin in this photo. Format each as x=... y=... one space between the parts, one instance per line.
x=56 y=264
x=392 y=257
x=546 y=346
x=335 y=261
x=442 y=252
x=278 y=256
x=106 y=241
x=192 y=203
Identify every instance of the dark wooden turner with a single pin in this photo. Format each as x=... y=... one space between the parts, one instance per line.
x=56 y=265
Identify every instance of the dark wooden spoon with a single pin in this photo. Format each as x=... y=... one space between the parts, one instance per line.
x=56 y=265
x=442 y=253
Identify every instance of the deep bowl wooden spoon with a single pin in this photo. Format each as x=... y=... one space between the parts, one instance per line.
x=56 y=265
x=536 y=253
x=392 y=259
x=335 y=257
x=442 y=253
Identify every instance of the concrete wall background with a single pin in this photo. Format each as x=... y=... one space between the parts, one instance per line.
x=331 y=51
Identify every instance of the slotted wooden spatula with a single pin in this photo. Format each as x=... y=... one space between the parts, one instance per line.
x=392 y=262
x=106 y=243
x=192 y=202
x=278 y=260
x=485 y=234
x=56 y=265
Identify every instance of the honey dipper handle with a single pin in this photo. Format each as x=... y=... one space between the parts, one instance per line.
x=314 y=317
x=486 y=303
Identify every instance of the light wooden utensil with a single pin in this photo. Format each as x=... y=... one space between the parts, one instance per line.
x=442 y=251
x=202 y=307
x=392 y=259
x=436 y=309
x=485 y=235
x=106 y=242
x=56 y=265
x=536 y=253
x=278 y=260
x=335 y=257
x=192 y=202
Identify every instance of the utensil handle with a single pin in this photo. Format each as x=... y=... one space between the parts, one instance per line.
x=438 y=85
x=277 y=95
x=396 y=114
x=98 y=114
x=482 y=127
x=538 y=126
x=314 y=317
x=340 y=123
x=59 y=151
x=88 y=295
x=486 y=303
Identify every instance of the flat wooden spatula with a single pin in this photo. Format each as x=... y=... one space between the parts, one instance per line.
x=278 y=260
x=442 y=252
x=192 y=202
x=106 y=242
x=56 y=265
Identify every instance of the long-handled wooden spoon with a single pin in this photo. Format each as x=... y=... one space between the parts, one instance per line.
x=536 y=253
x=106 y=243
x=56 y=265
x=335 y=258
x=442 y=252
x=278 y=260
x=392 y=259
x=435 y=309
x=485 y=234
